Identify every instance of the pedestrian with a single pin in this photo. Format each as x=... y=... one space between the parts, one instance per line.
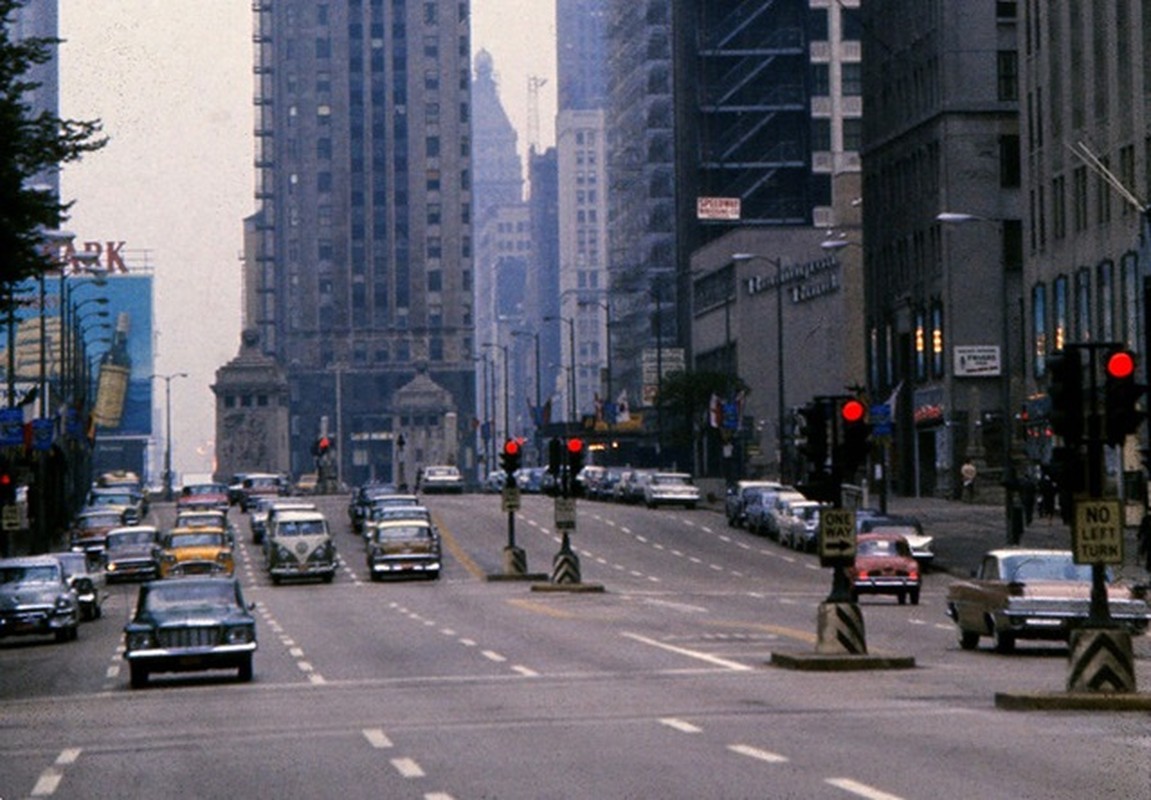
x=1145 y=542
x=968 y=472
x=1047 y=493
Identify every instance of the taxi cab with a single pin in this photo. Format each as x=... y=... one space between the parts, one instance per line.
x=196 y=550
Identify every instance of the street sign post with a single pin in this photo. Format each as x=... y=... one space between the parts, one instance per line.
x=836 y=537
x=1097 y=531
x=565 y=513
x=510 y=499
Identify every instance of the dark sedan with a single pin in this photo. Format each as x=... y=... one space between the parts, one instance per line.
x=190 y=625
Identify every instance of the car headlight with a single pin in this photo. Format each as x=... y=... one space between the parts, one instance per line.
x=63 y=602
x=283 y=552
x=241 y=634
x=140 y=640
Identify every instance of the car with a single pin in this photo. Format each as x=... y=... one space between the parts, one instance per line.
x=670 y=488
x=884 y=565
x=212 y=496
x=386 y=513
x=1035 y=593
x=603 y=488
x=735 y=500
x=36 y=600
x=206 y=545
x=255 y=484
x=261 y=517
x=630 y=486
x=299 y=545
x=441 y=479
x=204 y=517
x=89 y=531
x=130 y=501
x=190 y=624
x=404 y=547
x=83 y=581
x=495 y=481
x=362 y=498
x=531 y=479
x=907 y=527
x=132 y=553
x=756 y=508
x=772 y=521
x=799 y=524
x=306 y=484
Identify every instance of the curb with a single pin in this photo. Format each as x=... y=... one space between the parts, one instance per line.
x=573 y=588
x=820 y=662
x=497 y=577
x=1072 y=701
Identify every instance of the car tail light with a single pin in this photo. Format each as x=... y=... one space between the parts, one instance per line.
x=861 y=574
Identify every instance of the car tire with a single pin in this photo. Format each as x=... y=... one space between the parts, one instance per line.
x=276 y=580
x=329 y=577
x=1002 y=641
x=914 y=595
x=902 y=598
x=968 y=640
x=244 y=673
x=138 y=675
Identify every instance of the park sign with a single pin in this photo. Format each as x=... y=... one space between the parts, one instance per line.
x=1097 y=532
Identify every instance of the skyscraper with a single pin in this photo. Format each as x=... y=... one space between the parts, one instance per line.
x=362 y=256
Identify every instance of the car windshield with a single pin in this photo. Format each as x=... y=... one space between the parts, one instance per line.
x=111 y=500
x=1052 y=567
x=198 y=539
x=206 y=488
x=670 y=480
x=39 y=573
x=188 y=594
x=393 y=532
x=200 y=520
x=99 y=521
x=73 y=564
x=882 y=547
x=132 y=539
x=308 y=527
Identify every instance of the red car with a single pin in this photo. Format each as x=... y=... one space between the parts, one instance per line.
x=203 y=495
x=884 y=565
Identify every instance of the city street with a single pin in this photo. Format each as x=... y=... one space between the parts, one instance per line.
x=659 y=686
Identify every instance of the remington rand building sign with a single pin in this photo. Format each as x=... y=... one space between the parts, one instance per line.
x=802 y=282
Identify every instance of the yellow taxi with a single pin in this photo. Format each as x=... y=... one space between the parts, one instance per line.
x=196 y=551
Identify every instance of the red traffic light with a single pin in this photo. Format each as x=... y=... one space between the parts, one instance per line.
x=852 y=411
x=1120 y=365
x=5 y=479
x=325 y=442
x=511 y=447
x=575 y=445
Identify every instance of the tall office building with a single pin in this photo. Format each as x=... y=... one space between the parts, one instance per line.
x=363 y=251
x=41 y=20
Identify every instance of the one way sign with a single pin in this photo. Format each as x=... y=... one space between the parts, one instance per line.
x=836 y=537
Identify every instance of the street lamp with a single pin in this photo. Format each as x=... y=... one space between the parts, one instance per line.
x=168 y=429
x=960 y=218
x=503 y=347
x=572 y=358
x=781 y=423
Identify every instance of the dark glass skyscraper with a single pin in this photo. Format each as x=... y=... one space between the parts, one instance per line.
x=362 y=249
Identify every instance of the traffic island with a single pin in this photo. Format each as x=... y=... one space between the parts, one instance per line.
x=1073 y=701
x=574 y=588
x=839 y=662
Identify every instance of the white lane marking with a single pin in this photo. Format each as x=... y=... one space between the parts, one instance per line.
x=304 y=666
x=68 y=756
x=683 y=651
x=113 y=671
x=525 y=671
x=47 y=782
x=468 y=642
x=493 y=656
x=377 y=738
x=407 y=767
x=683 y=726
x=296 y=652
x=861 y=789
x=755 y=752
x=317 y=679
x=438 y=796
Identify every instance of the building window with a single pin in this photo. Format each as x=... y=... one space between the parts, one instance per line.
x=852 y=78
x=937 y=347
x=1039 y=329
x=1083 y=305
x=1008 y=75
x=1079 y=200
x=1010 y=172
x=920 y=346
x=820 y=80
x=852 y=134
x=1129 y=301
x=1060 y=313
x=1059 y=208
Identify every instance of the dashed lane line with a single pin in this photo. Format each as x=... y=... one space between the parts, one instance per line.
x=861 y=789
x=757 y=753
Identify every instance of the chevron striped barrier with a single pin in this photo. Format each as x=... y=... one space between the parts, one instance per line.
x=565 y=565
x=515 y=561
x=1101 y=660
x=839 y=629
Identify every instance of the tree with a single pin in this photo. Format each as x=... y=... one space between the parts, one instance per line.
x=32 y=143
x=687 y=396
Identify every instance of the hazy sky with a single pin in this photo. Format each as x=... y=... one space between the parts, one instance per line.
x=172 y=82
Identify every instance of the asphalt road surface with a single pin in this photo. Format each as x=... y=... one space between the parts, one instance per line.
x=658 y=687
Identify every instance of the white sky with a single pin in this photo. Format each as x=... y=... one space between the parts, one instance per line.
x=172 y=82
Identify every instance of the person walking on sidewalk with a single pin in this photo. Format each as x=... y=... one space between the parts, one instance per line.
x=968 y=472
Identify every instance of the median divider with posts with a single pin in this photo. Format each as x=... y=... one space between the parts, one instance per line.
x=565 y=460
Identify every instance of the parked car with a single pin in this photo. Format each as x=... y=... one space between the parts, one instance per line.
x=530 y=479
x=36 y=600
x=1031 y=593
x=799 y=525
x=630 y=486
x=299 y=545
x=404 y=547
x=440 y=479
x=772 y=521
x=190 y=624
x=884 y=565
x=83 y=581
x=132 y=553
x=670 y=488
x=206 y=546
x=907 y=527
x=756 y=509
x=736 y=496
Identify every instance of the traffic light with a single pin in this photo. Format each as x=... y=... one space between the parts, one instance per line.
x=321 y=446
x=510 y=457
x=7 y=488
x=813 y=432
x=1121 y=395
x=555 y=457
x=575 y=464
x=856 y=435
x=1065 y=388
